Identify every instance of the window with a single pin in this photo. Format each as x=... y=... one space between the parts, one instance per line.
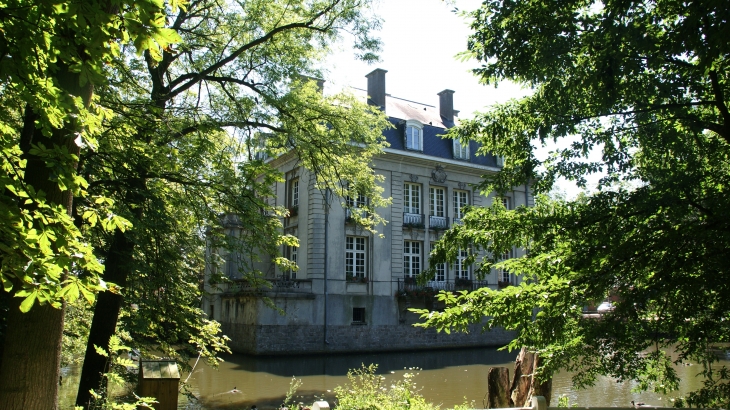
x=440 y=270
x=358 y=315
x=414 y=135
x=461 y=199
x=358 y=202
x=461 y=151
x=294 y=192
x=438 y=207
x=355 y=258
x=412 y=198
x=411 y=258
x=291 y=254
x=503 y=274
x=506 y=201
x=460 y=267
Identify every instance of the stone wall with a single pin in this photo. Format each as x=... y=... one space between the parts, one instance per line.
x=297 y=339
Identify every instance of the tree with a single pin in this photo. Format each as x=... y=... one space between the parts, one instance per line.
x=645 y=85
x=178 y=154
x=53 y=54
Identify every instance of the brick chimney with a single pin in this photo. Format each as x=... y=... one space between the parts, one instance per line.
x=446 y=105
x=376 y=87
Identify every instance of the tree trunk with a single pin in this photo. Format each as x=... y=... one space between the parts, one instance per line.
x=30 y=368
x=498 y=396
x=106 y=315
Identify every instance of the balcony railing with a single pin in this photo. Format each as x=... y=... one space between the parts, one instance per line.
x=413 y=220
x=438 y=222
x=409 y=285
x=277 y=285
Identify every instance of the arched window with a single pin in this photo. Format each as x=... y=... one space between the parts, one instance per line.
x=414 y=135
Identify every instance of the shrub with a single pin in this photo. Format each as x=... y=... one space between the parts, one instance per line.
x=366 y=390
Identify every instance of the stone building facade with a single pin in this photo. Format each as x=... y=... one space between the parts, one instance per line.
x=353 y=289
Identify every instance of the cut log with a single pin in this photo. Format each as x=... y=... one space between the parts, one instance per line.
x=498 y=388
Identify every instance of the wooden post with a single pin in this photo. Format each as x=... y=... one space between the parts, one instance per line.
x=498 y=388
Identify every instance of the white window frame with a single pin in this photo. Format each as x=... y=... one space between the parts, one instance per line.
x=294 y=192
x=413 y=138
x=356 y=257
x=503 y=275
x=437 y=205
x=506 y=201
x=412 y=258
x=461 y=270
x=460 y=199
x=440 y=269
x=460 y=151
x=411 y=198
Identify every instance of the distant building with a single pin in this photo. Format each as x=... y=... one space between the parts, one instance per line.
x=353 y=289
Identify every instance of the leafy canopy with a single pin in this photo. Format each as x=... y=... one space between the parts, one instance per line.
x=644 y=85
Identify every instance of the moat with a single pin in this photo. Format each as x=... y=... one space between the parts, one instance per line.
x=446 y=377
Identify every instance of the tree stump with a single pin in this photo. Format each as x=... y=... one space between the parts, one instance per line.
x=522 y=381
x=498 y=388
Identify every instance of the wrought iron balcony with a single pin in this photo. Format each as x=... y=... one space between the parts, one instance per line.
x=281 y=284
x=438 y=222
x=408 y=286
x=413 y=220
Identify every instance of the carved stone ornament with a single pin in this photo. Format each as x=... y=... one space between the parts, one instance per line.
x=414 y=178
x=438 y=174
x=462 y=185
x=414 y=234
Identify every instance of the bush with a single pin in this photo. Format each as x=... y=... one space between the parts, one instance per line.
x=368 y=391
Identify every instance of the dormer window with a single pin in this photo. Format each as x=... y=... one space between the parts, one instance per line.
x=414 y=135
x=461 y=151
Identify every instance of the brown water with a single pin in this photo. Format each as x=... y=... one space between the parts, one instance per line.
x=446 y=377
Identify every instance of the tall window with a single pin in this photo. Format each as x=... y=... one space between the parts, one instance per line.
x=411 y=258
x=503 y=274
x=291 y=253
x=461 y=151
x=437 y=201
x=355 y=257
x=294 y=193
x=440 y=270
x=461 y=199
x=461 y=269
x=414 y=135
x=412 y=198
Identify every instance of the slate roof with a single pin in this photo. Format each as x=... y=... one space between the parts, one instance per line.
x=399 y=110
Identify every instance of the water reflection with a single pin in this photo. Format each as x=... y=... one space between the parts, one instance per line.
x=448 y=377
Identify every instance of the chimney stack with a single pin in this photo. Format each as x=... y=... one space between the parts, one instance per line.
x=376 y=87
x=446 y=105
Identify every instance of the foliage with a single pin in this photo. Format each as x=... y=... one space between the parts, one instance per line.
x=288 y=403
x=564 y=401
x=76 y=323
x=644 y=87
x=368 y=390
x=44 y=73
x=179 y=158
x=120 y=367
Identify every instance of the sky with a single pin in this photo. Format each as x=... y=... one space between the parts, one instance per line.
x=420 y=41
